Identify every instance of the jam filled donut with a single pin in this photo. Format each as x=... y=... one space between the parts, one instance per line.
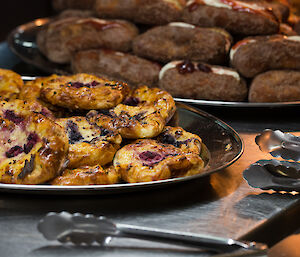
x=116 y=65
x=60 y=39
x=141 y=11
x=83 y=91
x=202 y=81
x=89 y=144
x=33 y=149
x=10 y=84
x=142 y=115
x=255 y=55
x=147 y=160
x=237 y=17
x=180 y=138
x=87 y=175
x=179 y=40
x=275 y=86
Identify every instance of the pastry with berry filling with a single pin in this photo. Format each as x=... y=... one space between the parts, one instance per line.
x=33 y=148
x=179 y=40
x=59 y=39
x=148 y=160
x=10 y=84
x=89 y=144
x=84 y=92
x=142 y=115
x=95 y=175
x=196 y=80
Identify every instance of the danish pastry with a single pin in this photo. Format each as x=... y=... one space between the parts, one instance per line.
x=33 y=149
x=116 y=66
x=10 y=84
x=60 y=39
x=83 y=91
x=255 y=55
x=147 y=160
x=89 y=144
x=179 y=40
x=202 y=81
x=87 y=175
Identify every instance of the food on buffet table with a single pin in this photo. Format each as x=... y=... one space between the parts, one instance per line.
x=72 y=4
x=255 y=55
x=141 y=11
x=87 y=175
x=10 y=84
x=61 y=38
x=39 y=148
x=89 y=144
x=275 y=86
x=83 y=91
x=202 y=81
x=238 y=17
x=34 y=148
x=148 y=160
x=116 y=65
x=180 y=40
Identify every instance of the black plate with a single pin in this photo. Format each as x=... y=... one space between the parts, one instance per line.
x=224 y=145
x=22 y=41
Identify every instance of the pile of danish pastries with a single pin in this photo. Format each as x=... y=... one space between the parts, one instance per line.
x=85 y=130
x=229 y=50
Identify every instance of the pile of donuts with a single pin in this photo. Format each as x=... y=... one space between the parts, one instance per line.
x=85 y=130
x=229 y=50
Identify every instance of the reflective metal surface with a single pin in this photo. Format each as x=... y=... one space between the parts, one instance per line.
x=22 y=41
x=223 y=143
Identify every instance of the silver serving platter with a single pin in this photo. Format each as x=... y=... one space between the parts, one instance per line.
x=22 y=41
x=224 y=145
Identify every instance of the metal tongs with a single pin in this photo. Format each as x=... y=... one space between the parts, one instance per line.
x=87 y=229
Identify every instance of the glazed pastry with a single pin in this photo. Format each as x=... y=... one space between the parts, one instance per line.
x=116 y=65
x=202 y=81
x=147 y=160
x=33 y=149
x=180 y=40
x=141 y=11
x=87 y=175
x=255 y=55
x=10 y=84
x=237 y=17
x=60 y=39
x=89 y=144
x=83 y=91
x=275 y=86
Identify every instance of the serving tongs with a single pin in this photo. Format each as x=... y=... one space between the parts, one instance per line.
x=87 y=229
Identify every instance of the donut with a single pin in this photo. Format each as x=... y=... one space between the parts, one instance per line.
x=116 y=65
x=89 y=144
x=83 y=91
x=87 y=175
x=143 y=11
x=237 y=17
x=148 y=160
x=142 y=115
x=33 y=149
x=255 y=55
x=275 y=86
x=196 y=80
x=179 y=40
x=61 y=38
x=10 y=84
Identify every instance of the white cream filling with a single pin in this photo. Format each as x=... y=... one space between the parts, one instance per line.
x=119 y=53
x=234 y=49
x=293 y=38
x=216 y=70
x=95 y=20
x=181 y=24
x=168 y=66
